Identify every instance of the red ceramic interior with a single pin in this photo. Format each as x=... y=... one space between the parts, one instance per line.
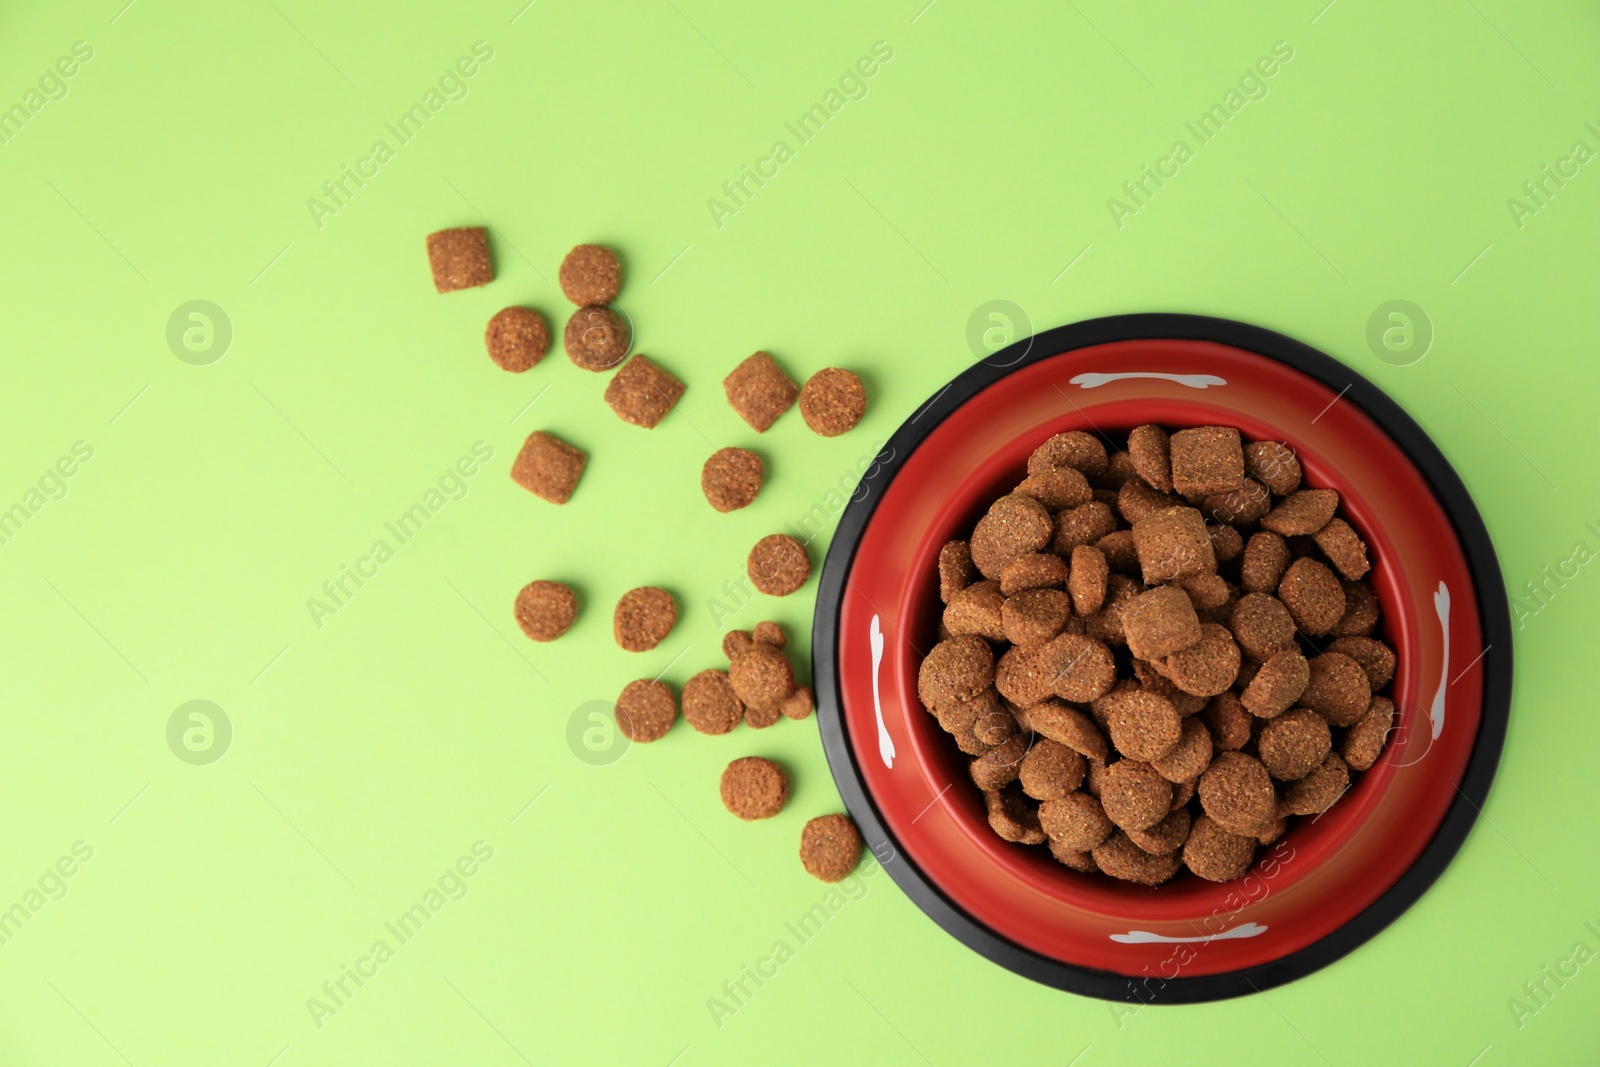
x=1322 y=873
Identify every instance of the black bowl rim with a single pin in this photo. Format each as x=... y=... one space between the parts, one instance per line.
x=1481 y=561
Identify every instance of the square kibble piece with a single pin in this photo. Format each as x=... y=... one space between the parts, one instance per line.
x=1206 y=460
x=460 y=258
x=759 y=391
x=548 y=467
x=1172 y=544
x=1160 y=622
x=642 y=393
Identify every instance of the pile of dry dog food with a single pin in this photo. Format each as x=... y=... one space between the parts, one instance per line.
x=1159 y=657
x=758 y=688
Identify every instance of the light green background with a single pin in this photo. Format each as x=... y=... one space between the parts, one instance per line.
x=372 y=752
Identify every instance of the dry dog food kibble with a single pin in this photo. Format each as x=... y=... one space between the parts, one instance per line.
x=709 y=703
x=460 y=258
x=830 y=847
x=643 y=618
x=1157 y=656
x=832 y=401
x=778 y=565
x=642 y=393
x=545 y=610
x=517 y=338
x=754 y=788
x=645 y=711
x=731 y=478
x=596 y=338
x=548 y=467
x=759 y=391
x=591 y=275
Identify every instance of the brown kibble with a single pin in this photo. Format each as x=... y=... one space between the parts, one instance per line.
x=1159 y=622
x=754 y=788
x=1277 y=685
x=545 y=610
x=999 y=765
x=1069 y=726
x=955 y=569
x=1208 y=592
x=460 y=258
x=1294 y=744
x=762 y=678
x=778 y=565
x=1273 y=465
x=1137 y=500
x=832 y=401
x=736 y=641
x=1133 y=794
x=642 y=393
x=1338 y=689
x=1364 y=742
x=1033 y=617
x=1262 y=626
x=1226 y=542
x=645 y=711
x=759 y=391
x=977 y=609
x=1075 y=859
x=548 y=467
x=1151 y=456
x=1361 y=611
x=709 y=703
x=1273 y=831
x=1122 y=556
x=1121 y=858
x=994 y=725
x=517 y=338
x=1317 y=791
x=969 y=744
x=1302 y=512
x=1190 y=757
x=761 y=718
x=1012 y=818
x=1143 y=726
x=1082 y=525
x=1106 y=624
x=1241 y=507
x=1344 y=549
x=1237 y=792
x=1164 y=837
x=830 y=847
x=1081 y=451
x=959 y=716
x=596 y=338
x=1375 y=657
x=1119 y=471
x=1183 y=792
x=1075 y=820
x=643 y=618
x=1217 y=854
x=1051 y=770
x=1173 y=544
x=1155 y=682
x=1014 y=526
x=731 y=478
x=1206 y=667
x=590 y=275
x=1230 y=724
x=953 y=670
x=1266 y=557
x=1085 y=668
x=1087 y=580
x=1057 y=488
x=769 y=633
x=1207 y=460
x=1037 y=570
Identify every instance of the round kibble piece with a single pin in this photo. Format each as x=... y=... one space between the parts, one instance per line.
x=709 y=703
x=1035 y=616
x=1273 y=465
x=1294 y=744
x=643 y=618
x=1262 y=626
x=1057 y=488
x=769 y=633
x=1085 y=668
x=999 y=766
x=1375 y=657
x=778 y=565
x=1338 y=689
x=1074 y=858
x=954 y=670
x=1015 y=525
x=1066 y=724
x=1133 y=794
x=1277 y=685
x=1217 y=854
x=761 y=718
x=1012 y=818
x=1082 y=525
x=1087 y=580
x=1316 y=792
x=1164 y=837
x=754 y=788
x=645 y=711
x=545 y=610
x=978 y=609
x=1038 y=570
x=994 y=725
x=762 y=678
x=1302 y=513
x=1206 y=667
x=1237 y=792
x=1076 y=449
x=1230 y=724
x=798 y=704
x=590 y=275
x=830 y=847
x=1313 y=595
x=735 y=642
x=1363 y=742
x=956 y=571
x=596 y=338
x=517 y=338
x=1143 y=726
x=832 y=401
x=1190 y=757
x=1075 y=820
x=1361 y=611
x=731 y=478
x=1050 y=770
x=1266 y=557
x=1226 y=542
x=1121 y=858
x=1150 y=452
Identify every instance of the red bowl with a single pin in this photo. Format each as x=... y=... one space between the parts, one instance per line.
x=1328 y=884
